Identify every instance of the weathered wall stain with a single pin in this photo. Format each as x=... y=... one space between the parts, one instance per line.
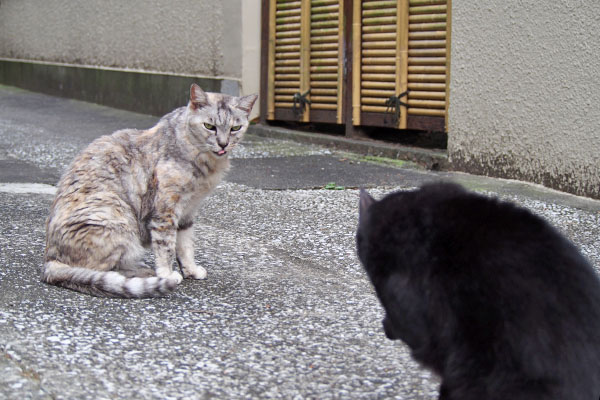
x=525 y=92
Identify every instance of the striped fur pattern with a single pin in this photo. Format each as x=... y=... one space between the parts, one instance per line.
x=136 y=189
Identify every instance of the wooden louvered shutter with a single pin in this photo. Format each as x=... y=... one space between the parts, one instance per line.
x=428 y=52
x=377 y=65
x=400 y=45
x=400 y=62
x=305 y=59
x=326 y=60
x=284 y=56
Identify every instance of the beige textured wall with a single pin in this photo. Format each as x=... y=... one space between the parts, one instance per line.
x=138 y=34
x=190 y=37
x=525 y=91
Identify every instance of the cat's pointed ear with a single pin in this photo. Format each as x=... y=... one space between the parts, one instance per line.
x=198 y=97
x=246 y=103
x=364 y=203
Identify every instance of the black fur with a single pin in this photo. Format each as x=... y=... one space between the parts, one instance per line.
x=486 y=294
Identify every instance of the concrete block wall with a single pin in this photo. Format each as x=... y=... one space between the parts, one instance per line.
x=196 y=39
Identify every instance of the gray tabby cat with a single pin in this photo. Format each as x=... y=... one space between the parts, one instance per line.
x=136 y=189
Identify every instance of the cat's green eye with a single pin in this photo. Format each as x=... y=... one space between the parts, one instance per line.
x=236 y=128
x=209 y=126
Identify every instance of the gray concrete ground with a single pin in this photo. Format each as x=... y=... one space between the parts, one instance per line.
x=286 y=311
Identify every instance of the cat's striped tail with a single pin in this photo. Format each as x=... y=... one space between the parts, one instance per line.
x=105 y=283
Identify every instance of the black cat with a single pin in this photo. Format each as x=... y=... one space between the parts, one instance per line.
x=486 y=294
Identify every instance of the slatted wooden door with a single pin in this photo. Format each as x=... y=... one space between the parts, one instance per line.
x=401 y=63
x=284 y=58
x=305 y=60
x=428 y=63
x=399 y=72
x=326 y=60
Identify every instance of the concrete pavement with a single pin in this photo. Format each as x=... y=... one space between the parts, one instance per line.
x=286 y=311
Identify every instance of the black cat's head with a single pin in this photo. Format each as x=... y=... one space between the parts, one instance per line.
x=365 y=202
x=375 y=235
x=390 y=246
x=375 y=262
x=395 y=234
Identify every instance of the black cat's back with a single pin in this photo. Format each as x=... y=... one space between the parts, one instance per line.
x=485 y=293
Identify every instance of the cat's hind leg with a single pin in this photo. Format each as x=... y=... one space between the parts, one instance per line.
x=185 y=254
x=130 y=263
x=136 y=270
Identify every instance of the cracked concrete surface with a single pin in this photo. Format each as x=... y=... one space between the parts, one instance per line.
x=286 y=311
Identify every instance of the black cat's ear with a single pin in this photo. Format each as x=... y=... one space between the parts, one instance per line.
x=198 y=97
x=365 y=202
x=246 y=103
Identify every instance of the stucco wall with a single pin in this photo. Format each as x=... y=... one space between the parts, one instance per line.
x=183 y=37
x=525 y=92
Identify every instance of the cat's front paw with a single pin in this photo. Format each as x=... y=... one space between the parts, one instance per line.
x=170 y=275
x=194 y=273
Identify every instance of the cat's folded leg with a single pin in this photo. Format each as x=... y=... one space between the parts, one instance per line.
x=137 y=270
x=185 y=254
